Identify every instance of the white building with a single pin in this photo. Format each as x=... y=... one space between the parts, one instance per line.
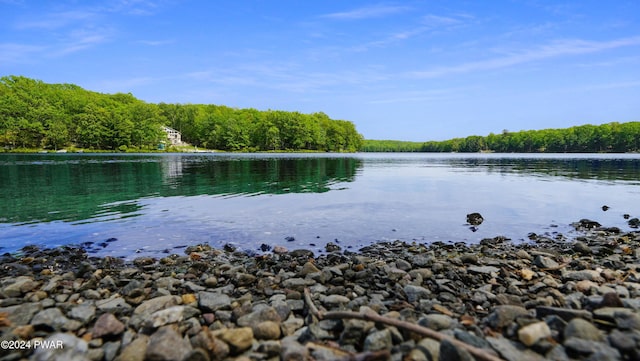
x=173 y=135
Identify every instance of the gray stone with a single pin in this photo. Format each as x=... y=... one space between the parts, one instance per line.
x=84 y=312
x=167 y=345
x=21 y=314
x=213 y=301
x=510 y=352
x=62 y=346
x=580 y=328
x=166 y=316
x=297 y=284
x=112 y=304
x=450 y=352
x=50 y=318
x=589 y=275
x=378 y=340
x=488 y=270
x=156 y=304
x=545 y=262
x=292 y=350
x=504 y=315
x=335 y=300
x=579 y=347
x=566 y=314
x=259 y=315
x=415 y=293
x=20 y=286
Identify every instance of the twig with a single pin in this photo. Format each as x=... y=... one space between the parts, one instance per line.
x=370 y=315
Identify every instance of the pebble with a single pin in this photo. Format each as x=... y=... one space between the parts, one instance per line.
x=548 y=299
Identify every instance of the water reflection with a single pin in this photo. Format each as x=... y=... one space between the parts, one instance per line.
x=43 y=188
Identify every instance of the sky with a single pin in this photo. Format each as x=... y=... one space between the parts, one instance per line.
x=406 y=70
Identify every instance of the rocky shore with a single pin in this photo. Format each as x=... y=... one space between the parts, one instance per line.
x=548 y=299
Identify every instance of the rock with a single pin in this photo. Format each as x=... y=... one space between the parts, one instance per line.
x=582 y=248
x=292 y=350
x=50 y=318
x=166 y=344
x=510 y=352
x=213 y=301
x=62 y=346
x=378 y=340
x=415 y=293
x=156 y=304
x=107 y=325
x=545 y=262
x=450 y=351
x=21 y=314
x=503 y=316
x=488 y=270
x=135 y=351
x=238 y=339
x=589 y=275
x=436 y=322
x=260 y=315
x=164 y=317
x=267 y=330
x=335 y=300
x=534 y=332
x=20 y=286
x=308 y=268
x=474 y=219
x=583 y=329
x=84 y=312
x=566 y=314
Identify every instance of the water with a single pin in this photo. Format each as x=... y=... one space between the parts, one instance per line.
x=127 y=205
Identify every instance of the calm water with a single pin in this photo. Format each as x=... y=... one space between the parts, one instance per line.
x=132 y=205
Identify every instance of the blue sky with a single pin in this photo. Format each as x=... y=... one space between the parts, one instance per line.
x=410 y=70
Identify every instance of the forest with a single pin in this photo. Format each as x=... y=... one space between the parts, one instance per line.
x=606 y=138
x=37 y=115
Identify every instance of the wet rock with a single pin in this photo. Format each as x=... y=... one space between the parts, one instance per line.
x=474 y=219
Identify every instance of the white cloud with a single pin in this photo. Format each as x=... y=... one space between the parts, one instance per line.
x=367 y=12
x=555 y=49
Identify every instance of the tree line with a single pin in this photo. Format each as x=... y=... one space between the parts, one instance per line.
x=36 y=115
x=612 y=137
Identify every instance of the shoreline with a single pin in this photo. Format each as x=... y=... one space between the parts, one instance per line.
x=548 y=299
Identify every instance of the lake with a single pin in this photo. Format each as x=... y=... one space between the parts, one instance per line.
x=128 y=205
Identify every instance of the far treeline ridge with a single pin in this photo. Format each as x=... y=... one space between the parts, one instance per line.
x=606 y=138
x=37 y=115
